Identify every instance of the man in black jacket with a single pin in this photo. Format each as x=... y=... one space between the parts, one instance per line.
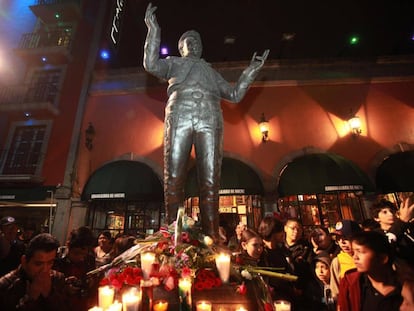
x=34 y=285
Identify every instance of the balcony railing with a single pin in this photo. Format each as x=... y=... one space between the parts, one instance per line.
x=49 y=2
x=53 y=11
x=55 y=45
x=29 y=97
x=58 y=38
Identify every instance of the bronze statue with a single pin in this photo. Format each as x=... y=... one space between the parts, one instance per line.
x=193 y=116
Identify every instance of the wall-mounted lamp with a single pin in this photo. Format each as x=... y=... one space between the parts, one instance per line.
x=355 y=125
x=89 y=136
x=264 y=128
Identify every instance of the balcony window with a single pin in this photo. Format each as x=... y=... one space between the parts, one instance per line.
x=43 y=86
x=25 y=151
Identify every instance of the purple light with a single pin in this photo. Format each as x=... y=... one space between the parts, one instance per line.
x=44 y=59
x=164 y=51
x=412 y=37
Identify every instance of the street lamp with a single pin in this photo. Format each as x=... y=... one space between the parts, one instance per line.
x=89 y=136
x=264 y=128
x=355 y=125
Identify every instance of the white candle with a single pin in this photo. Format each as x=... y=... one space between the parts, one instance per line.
x=282 y=305
x=105 y=296
x=203 y=305
x=95 y=309
x=147 y=259
x=184 y=291
x=131 y=300
x=116 y=306
x=241 y=309
x=223 y=266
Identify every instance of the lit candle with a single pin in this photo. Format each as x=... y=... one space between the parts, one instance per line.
x=131 y=300
x=282 y=305
x=95 y=309
x=116 y=306
x=241 y=309
x=184 y=291
x=160 y=305
x=223 y=266
x=203 y=305
x=105 y=296
x=147 y=259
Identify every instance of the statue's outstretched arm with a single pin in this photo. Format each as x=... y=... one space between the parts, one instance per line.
x=247 y=77
x=152 y=42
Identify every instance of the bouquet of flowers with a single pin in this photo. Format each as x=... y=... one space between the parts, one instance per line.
x=124 y=275
x=182 y=250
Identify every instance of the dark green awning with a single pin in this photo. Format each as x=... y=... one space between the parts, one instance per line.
x=395 y=174
x=129 y=180
x=321 y=173
x=235 y=175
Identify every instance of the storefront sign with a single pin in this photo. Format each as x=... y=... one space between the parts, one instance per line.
x=226 y=209
x=344 y=188
x=7 y=197
x=231 y=191
x=107 y=195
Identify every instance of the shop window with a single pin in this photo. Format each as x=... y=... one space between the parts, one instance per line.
x=232 y=209
x=321 y=209
x=137 y=218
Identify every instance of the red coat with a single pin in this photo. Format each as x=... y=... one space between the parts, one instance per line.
x=349 y=297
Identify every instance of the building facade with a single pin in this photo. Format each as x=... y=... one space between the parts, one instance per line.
x=82 y=144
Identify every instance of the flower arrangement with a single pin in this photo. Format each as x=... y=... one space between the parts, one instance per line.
x=182 y=250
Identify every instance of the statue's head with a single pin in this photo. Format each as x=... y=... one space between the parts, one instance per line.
x=190 y=45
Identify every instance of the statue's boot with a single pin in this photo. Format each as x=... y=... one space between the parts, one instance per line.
x=210 y=221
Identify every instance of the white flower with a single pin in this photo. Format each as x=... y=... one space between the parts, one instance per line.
x=208 y=240
x=246 y=274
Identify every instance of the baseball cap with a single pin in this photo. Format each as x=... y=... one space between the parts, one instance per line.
x=347 y=228
x=7 y=220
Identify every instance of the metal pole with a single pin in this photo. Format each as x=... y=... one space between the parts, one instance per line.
x=51 y=210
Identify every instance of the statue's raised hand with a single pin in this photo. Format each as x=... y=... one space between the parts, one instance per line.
x=150 y=18
x=257 y=62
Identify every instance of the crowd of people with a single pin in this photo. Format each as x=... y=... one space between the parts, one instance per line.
x=356 y=266
x=367 y=266
x=39 y=274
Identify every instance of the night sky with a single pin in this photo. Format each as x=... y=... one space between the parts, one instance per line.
x=321 y=28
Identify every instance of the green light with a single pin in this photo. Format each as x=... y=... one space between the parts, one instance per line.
x=353 y=40
x=57 y=15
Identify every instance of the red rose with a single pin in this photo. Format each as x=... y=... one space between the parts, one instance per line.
x=195 y=243
x=186 y=272
x=199 y=286
x=242 y=289
x=185 y=237
x=136 y=271
x=268 y=306
x=115 y=283
x=217 y=282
